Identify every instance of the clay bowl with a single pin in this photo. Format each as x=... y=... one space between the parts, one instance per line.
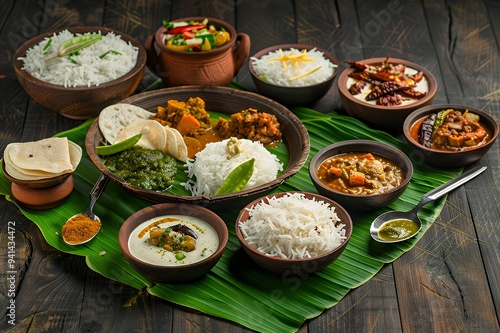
x=79 y=102
x=226 y=101
x=386 y=118
x=39 y=183
x=448 y=159
x=291 y=267
x=168 y=272
x=41 y=194
x=216 y=67
x=354 y=202
x=292 y=96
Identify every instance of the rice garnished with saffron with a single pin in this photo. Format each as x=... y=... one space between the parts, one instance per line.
x=103 y=61
x=212 y=165
x=272 y=70
x=293 y=227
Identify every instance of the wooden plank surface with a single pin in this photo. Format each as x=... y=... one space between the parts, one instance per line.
x=449 y=282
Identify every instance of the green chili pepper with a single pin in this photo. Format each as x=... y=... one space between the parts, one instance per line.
x=118 y=147
x=440 y=118
x=180 y=256
x=237 y=178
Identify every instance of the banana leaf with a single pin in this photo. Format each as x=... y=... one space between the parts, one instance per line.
x=236 y=289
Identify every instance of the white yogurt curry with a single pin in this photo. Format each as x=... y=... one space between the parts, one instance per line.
x=143 y=248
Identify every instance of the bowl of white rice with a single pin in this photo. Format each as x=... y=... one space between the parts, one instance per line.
x=79 y=83
x=293 y=74
x=293 y=233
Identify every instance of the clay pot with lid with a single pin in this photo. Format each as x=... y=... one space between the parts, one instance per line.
x=216 y=67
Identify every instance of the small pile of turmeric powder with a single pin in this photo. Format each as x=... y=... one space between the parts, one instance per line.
x=80 y=228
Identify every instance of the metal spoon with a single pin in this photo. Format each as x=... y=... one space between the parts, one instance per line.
x=95 y=193
x=428 y=197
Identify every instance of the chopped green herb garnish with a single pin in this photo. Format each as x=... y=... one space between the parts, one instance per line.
x=47 y=46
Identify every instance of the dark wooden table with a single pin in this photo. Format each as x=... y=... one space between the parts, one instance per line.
x=449 y=282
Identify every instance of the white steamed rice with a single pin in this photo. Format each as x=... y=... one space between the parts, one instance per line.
x=293 y=227
x=211 y=166
x=274 y=72
x=88 y=69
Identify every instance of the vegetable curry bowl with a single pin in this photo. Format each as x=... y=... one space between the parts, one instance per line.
x=361 y=174
x=450 y=135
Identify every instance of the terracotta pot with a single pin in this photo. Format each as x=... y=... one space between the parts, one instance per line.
x=217 y=67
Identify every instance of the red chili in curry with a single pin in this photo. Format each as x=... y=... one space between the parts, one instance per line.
x=360 y=173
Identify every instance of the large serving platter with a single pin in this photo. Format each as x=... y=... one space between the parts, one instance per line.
x=220 y=100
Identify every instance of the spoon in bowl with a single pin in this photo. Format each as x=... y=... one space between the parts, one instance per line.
x=395 y=226
x=83 y=227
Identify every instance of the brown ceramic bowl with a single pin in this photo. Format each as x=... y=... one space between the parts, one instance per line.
x=448 y=159
x=216 y=67
x=290 y=267
x=387 y=118
x=80 y=102
x=293 y=96
x=41 y=194
x=172 y=273
x=223 y=100
x=361 y=202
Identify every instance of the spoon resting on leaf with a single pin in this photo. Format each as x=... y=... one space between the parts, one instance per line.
x=395 y=226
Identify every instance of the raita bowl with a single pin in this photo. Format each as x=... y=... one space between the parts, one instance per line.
x=448 y=158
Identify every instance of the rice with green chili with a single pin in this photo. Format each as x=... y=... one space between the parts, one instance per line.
x=293 y=227
x=213 y=164
x=103 y=61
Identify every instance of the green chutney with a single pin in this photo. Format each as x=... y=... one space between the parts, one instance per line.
x=144 y=168
x=397 y=229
